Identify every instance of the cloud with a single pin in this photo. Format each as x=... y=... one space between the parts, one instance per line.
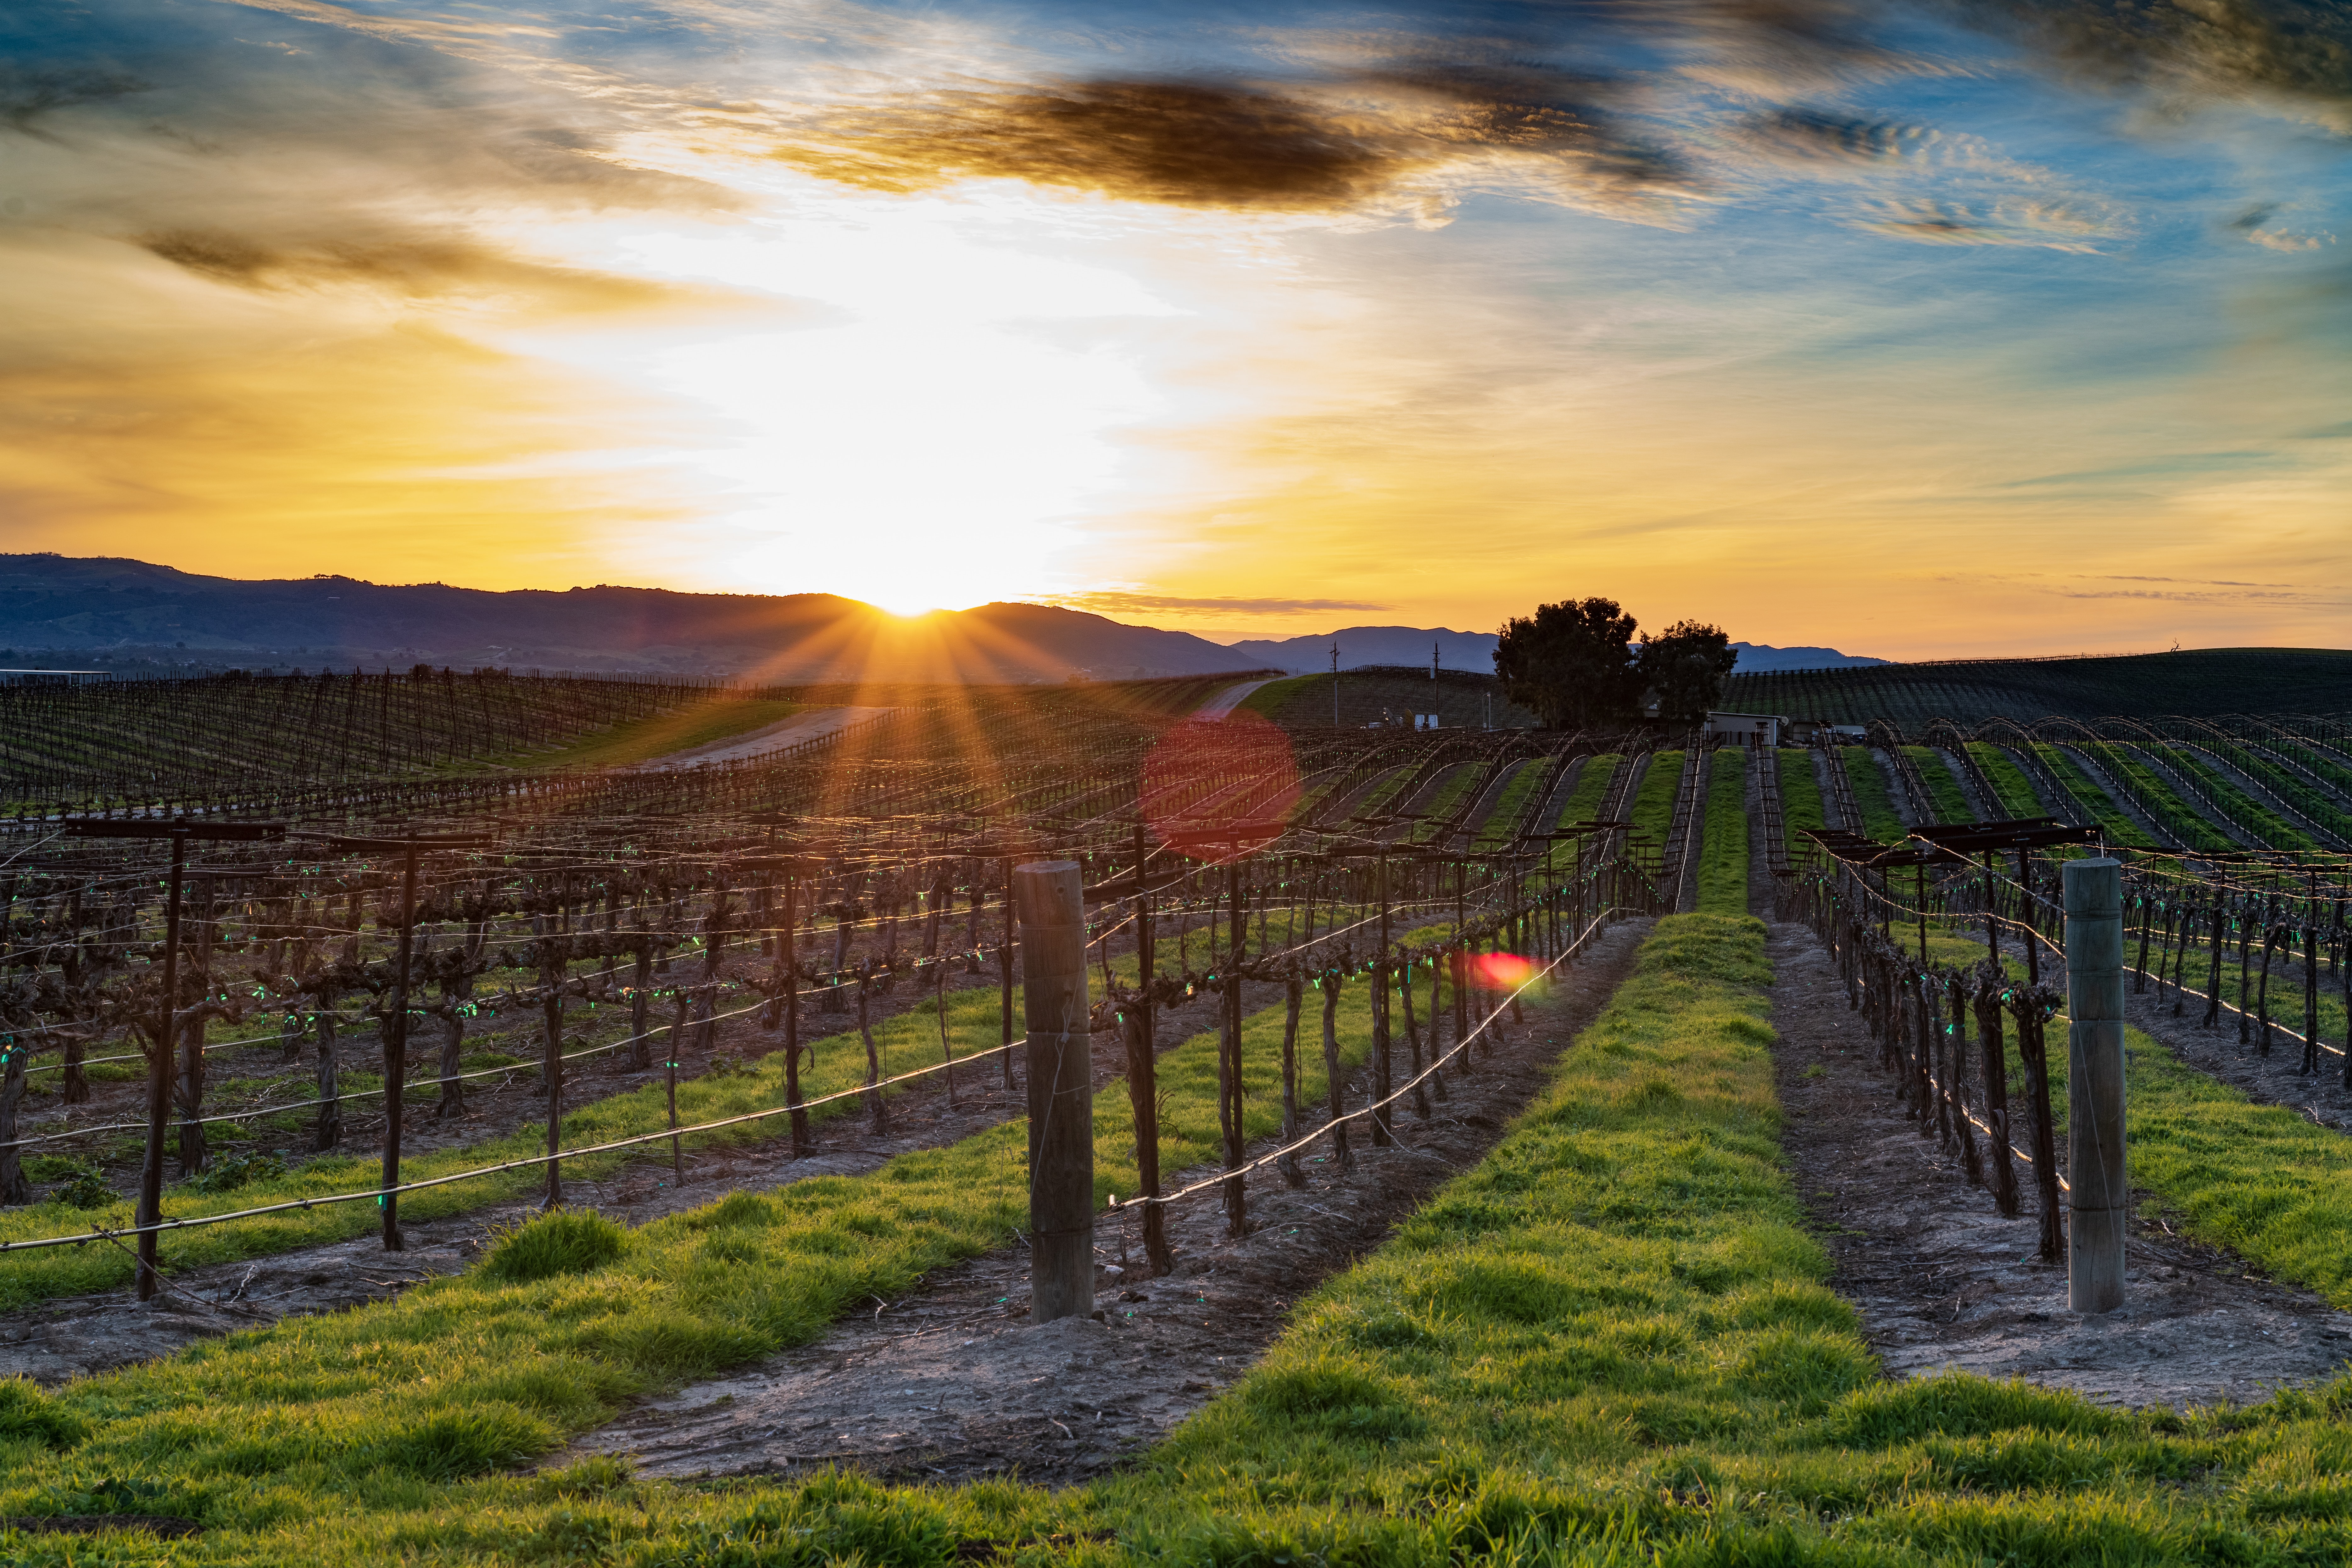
x=1326 y=146
x=2299 y=51
x=1816 y=136
x=29 y=92
x=1114 y=602
x=2048 y=223
x=410 y=265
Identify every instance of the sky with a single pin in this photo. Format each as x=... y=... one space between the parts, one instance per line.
x=1936 y=330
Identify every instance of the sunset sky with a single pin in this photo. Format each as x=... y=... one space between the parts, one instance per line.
x=1917 y=330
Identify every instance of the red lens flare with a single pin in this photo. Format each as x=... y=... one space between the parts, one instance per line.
x=1505 y=970
x=1213 y=786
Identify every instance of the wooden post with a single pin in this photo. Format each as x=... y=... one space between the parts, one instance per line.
x=158 y=1077
x=1229 y=1068
x=2095 y=1084
x=1142 y=1073
x=1292 y=995
x=1382 y=1128
x=1049 y=898
x=1004 y=975
x=396 y=1054
x=789 y=960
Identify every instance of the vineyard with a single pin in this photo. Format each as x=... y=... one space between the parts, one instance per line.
x=821 y=1025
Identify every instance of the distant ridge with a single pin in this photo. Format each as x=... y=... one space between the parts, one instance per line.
x=131 y=608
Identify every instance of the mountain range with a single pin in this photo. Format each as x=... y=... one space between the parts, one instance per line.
x=126 y=611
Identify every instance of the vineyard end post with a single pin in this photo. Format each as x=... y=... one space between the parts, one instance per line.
x=1049 y=899
x=2099 y=1202
x=159 y=1079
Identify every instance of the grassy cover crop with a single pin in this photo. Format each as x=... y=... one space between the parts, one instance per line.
x=2241 y=808
x=1944 y=790
x=2113 y=820
x=1653 y=813
x=2017 y=800
x=1800 y=799
x=2173 y=813
x=1514 y=803
x=1584 y=799
x=1723 y=857
x=338 y=1438
x=1868 y=778
x=1459 y=781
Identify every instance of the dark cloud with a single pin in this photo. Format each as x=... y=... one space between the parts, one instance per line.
x=428 y=267
x=29 y=92
x=2294 y=48
x=1335 y=144
x=1817 y=136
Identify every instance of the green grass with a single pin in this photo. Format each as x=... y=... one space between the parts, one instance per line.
x=1268 y=700
x=2017 y=802
x=1611 y=1341
x=720 y=719
x=1879 y=818
x=1584 y=799
x=906 y=1041
x=1944 y=792
x=1800 y=799
x=2242 y=809
x=333 y=1428
x=1723 y=857
x=1652 y=811
x=2164 y=804
x=1460 y=780
x=2114 y=822
x=1514 y=803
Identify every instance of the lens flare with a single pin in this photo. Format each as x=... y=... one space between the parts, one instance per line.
x=1505 y=971
x=1212 y=786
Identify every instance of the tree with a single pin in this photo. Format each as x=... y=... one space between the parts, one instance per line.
x=1571 y=663
x=1683 y=667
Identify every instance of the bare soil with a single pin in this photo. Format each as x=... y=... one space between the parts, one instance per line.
x=1942 y=1280
x=2272 y=1079
x=953 y=1382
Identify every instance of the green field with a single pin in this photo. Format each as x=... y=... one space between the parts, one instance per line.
x=1723 y=856
x=1951 y=802
x=1868 y=779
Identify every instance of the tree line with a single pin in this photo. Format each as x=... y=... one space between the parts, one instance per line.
x=1584 y=664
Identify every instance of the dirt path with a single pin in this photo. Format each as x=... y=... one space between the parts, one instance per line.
x=951 y=1382
x=1230 y=698
x=1942 y=1280
x=813 y=724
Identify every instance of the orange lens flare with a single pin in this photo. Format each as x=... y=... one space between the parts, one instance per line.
x=1507 y=971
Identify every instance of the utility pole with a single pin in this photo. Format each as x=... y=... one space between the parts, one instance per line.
x=1335 y=684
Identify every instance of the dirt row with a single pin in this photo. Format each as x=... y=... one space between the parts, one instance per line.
x=951 y=1382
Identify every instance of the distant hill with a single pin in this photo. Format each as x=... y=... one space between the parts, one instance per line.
x=62 y=605
x=1475 y=651
x=2195 y=683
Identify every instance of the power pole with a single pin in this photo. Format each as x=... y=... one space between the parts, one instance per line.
x=1335 y=684
x=1433 y=659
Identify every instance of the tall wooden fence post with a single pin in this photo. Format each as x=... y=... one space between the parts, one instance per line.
x=1050 y=900
x=159 y=1078
x=2095 y=1084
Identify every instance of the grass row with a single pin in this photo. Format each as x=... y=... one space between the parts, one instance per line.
x=1653 y=809
x=2177 y=816
x=2115 y=823
x=720 y=719
x=337 y=1438
x=1609 y=1342
x=1867 y=778
x=1800 y=799
x=1944 y=792
x=2241 y=808
x=1516 y=801
x=1584 y=799
x=2016 y=799
x=1723 y=856
x=1458 y=782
